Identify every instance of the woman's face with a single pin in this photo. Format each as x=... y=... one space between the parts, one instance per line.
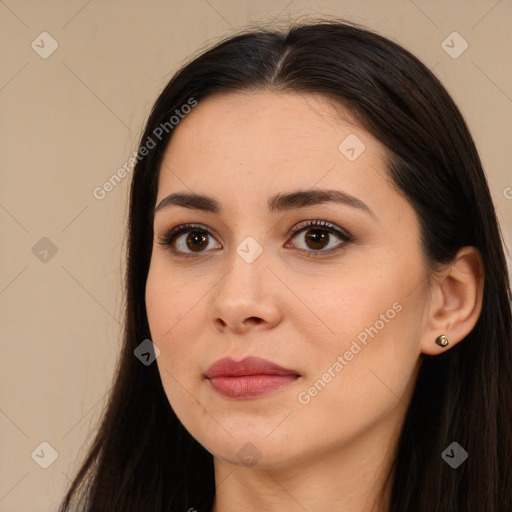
x=341 y=306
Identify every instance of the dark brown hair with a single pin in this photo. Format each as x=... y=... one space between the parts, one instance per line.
x=143 y=458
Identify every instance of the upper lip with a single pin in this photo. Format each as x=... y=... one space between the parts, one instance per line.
x=227 y=367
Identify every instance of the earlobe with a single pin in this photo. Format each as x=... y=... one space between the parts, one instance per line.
x=457 y=302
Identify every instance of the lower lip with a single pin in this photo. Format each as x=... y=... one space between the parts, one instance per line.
x=250 y=385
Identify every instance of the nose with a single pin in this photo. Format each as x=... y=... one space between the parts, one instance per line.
x=245 y=297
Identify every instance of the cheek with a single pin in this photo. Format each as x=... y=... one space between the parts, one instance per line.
x=373 y=320
x=365 y=374
x=169 y=300
x=173 y=330
x=166 y=314
x=356 y=306
x=170 y=315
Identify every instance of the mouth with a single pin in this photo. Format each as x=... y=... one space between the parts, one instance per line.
x=250 y=377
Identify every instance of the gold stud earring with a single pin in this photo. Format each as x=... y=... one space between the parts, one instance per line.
x=442 y=340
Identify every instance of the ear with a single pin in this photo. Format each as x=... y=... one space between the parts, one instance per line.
x=455 y=301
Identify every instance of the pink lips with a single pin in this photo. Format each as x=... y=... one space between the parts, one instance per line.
x=249 y=377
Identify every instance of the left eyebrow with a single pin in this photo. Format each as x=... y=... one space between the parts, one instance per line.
x=276 y=204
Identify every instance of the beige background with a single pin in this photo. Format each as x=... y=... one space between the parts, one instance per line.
x=71 y=120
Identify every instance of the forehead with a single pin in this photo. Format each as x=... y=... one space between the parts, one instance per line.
x=256 y=144
x=279 y=122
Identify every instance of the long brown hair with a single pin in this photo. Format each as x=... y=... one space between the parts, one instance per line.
x=142 y=458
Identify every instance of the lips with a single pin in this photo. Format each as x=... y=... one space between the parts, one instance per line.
x=227 y=367
x=250 y=377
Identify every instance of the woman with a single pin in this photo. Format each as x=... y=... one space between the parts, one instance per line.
x=314 y=255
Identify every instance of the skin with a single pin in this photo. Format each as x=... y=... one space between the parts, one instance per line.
x=297 y=310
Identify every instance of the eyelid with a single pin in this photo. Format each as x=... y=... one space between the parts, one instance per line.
x=325 y=224
x=169 y=236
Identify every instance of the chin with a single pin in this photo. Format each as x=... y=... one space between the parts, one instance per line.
x=251 y=451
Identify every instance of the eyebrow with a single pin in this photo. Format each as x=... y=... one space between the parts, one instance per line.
x=276 y=204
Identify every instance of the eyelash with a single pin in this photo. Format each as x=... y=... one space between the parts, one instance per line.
x=168 y=238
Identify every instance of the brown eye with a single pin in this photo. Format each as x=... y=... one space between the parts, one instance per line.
x=187 y=239
x=192 y=241
x=318 y=237
x=196 y=241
